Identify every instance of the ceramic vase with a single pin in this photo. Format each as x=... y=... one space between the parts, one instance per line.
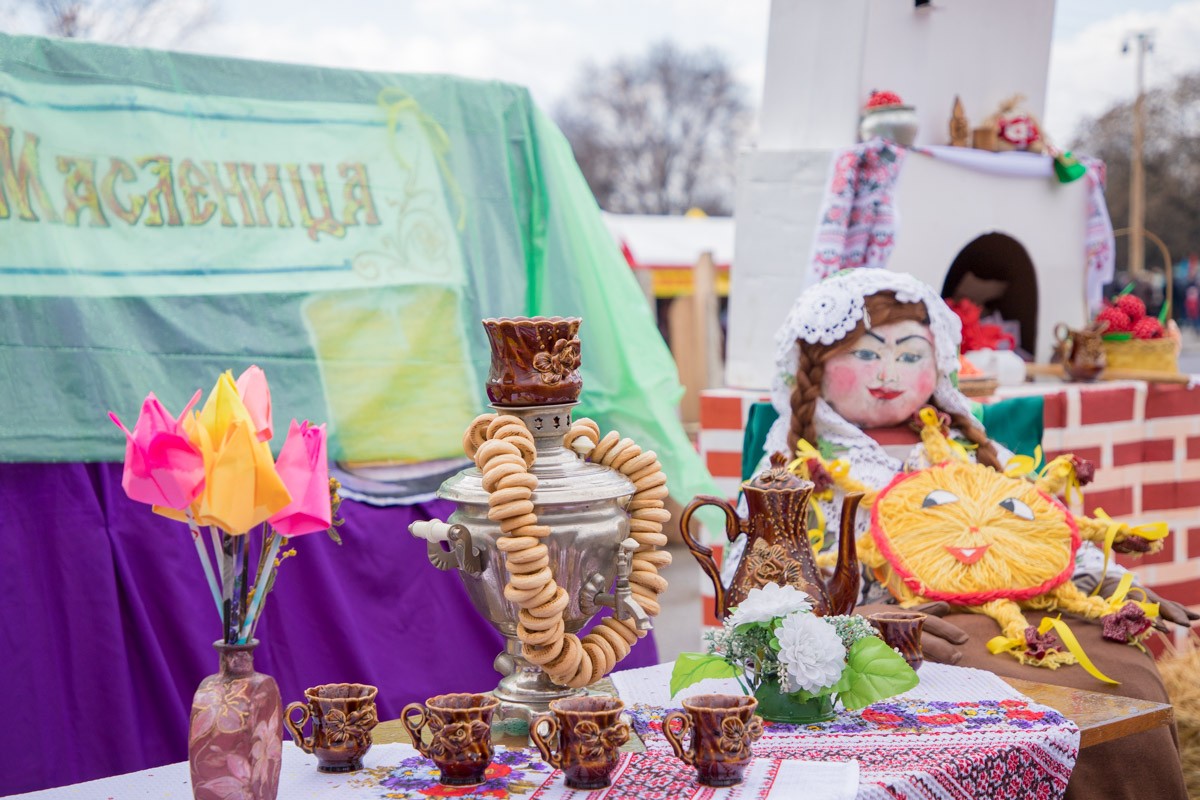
x=234 y=743
x=894 y=123
x=778 y=706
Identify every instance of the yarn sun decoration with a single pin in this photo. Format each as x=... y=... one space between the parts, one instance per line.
x=994 y=543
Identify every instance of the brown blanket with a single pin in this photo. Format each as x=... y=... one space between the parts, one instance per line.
x=1142 y=766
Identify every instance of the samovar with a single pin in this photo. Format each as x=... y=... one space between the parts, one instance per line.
x=534 y=377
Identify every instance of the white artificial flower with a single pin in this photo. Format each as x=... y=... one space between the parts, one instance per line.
x=763 y=605
x=810 y=652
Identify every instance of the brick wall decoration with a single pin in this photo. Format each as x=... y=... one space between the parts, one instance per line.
x=1143 y=438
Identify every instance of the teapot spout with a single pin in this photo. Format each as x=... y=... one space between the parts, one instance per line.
x=847 y=577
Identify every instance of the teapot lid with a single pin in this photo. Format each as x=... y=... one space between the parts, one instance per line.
x=777 y=476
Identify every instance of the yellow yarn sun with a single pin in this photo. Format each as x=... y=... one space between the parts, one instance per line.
x=993 y=544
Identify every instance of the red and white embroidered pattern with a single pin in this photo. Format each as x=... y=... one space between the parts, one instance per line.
x=920 y=749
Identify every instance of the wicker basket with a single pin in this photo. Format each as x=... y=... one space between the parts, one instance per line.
x=978 y=386
x=1146 y=355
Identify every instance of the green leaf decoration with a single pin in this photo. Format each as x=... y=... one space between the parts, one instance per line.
x=874 y=671
x=692 y=668
x=775 y=645
x=1117 y=337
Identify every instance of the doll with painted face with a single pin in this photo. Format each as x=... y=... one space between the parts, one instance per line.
x=858 y=358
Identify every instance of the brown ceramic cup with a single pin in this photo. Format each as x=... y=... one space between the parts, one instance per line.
x=723 y=727
x=589 y=737
x=460 y=727
x=343 y=715
x=535 y=360
x=902 y=630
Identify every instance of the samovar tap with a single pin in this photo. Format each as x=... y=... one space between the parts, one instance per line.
x=621 y=599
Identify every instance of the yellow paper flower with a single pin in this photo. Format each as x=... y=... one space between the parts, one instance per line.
x=242 y=488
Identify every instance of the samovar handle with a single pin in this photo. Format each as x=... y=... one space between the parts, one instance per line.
x=463 y=555
x=704 y=555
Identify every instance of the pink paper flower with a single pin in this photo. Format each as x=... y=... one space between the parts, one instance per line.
x=305 y=472
x=256 y=396
x=162 y=466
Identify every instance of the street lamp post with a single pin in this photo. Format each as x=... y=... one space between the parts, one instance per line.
x=1144 y=42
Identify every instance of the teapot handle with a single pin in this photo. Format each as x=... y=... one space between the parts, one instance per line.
x=1062 y=332
x=704 y=555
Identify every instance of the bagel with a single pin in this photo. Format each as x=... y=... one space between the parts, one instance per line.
x=542 y=655
x=494 y=477
x=650 y=579
x=527 y=555
x=615 y=640
x=529 y=567
x=540 y=638
x=501 y=496
x=515 y=508
x=533 y=623
x=515 y=479
x=604 y=445
x=516 y=544
x=513 y=523
x=553 y=607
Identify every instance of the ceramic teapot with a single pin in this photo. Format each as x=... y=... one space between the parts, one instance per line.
x=1081 y=351
x=778 y=548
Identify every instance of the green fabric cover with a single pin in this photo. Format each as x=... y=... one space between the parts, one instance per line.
x=372 y=325
x=1015 y=423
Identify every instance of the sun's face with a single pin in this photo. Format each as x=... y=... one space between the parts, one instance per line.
x=957 y=531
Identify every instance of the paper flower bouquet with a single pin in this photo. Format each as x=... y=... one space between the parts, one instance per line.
x=795 y=662
x=213 y=468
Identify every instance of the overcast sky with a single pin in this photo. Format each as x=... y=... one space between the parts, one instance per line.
x=542 y=43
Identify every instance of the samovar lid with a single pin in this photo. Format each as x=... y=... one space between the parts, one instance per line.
x=563 y=477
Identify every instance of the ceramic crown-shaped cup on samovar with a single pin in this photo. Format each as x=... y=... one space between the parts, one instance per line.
x=778 y=549
x=553 y=523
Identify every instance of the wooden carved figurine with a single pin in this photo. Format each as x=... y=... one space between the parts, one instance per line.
x=960 y=129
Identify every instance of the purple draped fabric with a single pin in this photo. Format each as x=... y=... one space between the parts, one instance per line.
x=107 y=623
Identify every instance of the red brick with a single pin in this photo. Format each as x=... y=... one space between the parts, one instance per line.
x=1171 y=401
x=1092 y=454
x=1193 y=447
x=708 y=611
x=1115 y=502
x=1193 y=546
x=1168 y=496
x=1054 y=411
x=1106 y=405
x=721 y=413
x=1143 y=452
x=724 y=465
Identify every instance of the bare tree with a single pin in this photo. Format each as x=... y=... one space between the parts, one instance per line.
x=1171 y=159
x=153 y=22
x=658 y=134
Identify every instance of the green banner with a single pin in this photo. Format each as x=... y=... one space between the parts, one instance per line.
x=165 y=217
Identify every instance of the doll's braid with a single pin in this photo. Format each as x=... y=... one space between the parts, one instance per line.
x=985 y=453
x=804 y=397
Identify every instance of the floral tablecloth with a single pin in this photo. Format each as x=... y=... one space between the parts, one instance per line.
x=961 y=734
x=398 y=772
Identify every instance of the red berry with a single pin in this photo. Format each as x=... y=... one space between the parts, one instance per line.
x=1131 y=305
x=879 y=99
x=1147 y=328
x=1118 y=321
